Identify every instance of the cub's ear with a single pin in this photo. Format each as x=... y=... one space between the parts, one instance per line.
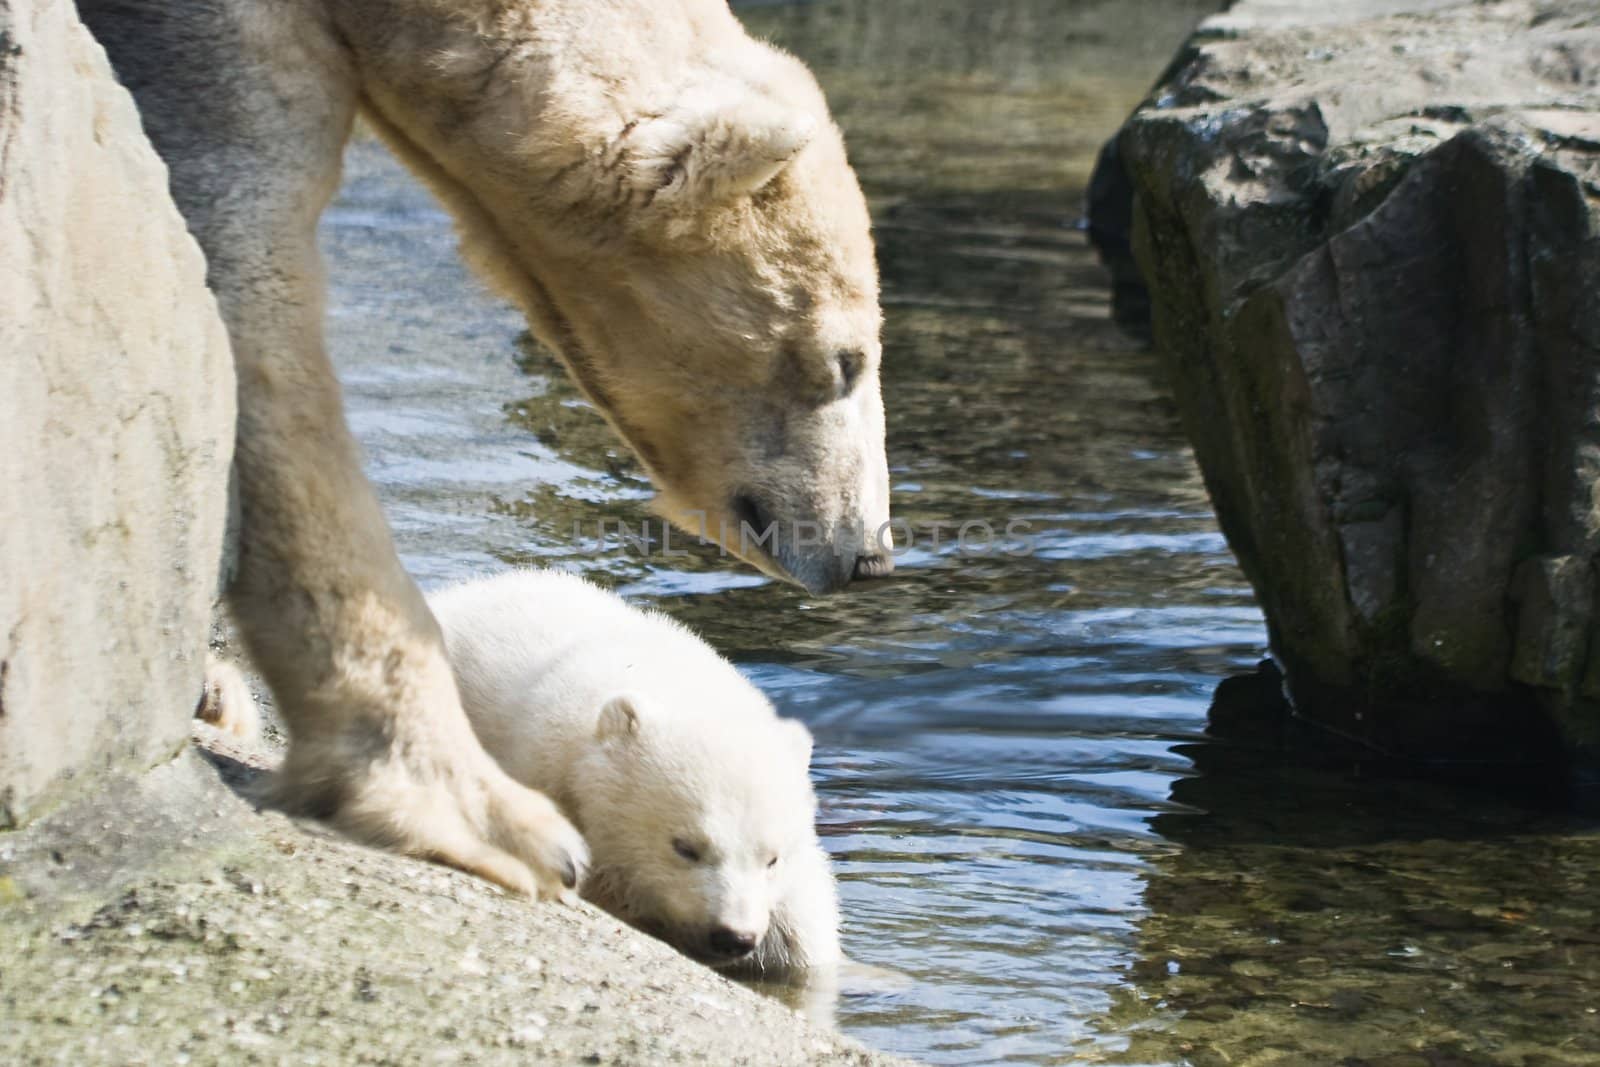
x=619 y=720
x=712 y=145
x=798 y=738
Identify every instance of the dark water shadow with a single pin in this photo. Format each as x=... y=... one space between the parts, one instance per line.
x=1315 y=913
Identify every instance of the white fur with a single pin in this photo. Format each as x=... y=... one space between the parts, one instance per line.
x=226 y=701
x=668 y=201
x=645 y=736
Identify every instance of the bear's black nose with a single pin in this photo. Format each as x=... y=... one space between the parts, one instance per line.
x=732 y=944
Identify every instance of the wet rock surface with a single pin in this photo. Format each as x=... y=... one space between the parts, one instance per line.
x=169 y=921
x=1370 y=235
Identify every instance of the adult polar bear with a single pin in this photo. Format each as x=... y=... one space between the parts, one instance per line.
x=668 y=201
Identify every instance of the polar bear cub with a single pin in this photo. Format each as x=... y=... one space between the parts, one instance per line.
x=693 y=795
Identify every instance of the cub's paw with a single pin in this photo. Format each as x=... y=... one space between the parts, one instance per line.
x=226 y=701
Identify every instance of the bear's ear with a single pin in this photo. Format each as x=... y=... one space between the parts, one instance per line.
x=798 y=738
x=619 y=720
x=713 y=145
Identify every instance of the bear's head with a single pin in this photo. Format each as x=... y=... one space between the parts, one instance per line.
x=757 y=286
x=671 y=204
x=695 y=825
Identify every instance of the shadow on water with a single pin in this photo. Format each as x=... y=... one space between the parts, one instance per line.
x=1027 y=818
x=1306 y=916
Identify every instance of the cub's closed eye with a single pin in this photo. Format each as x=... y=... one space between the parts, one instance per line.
x=773 y=862
x=852 y=361
x=686 y=850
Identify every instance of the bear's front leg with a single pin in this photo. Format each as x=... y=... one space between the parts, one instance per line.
x=250 y=105
x=379 y=744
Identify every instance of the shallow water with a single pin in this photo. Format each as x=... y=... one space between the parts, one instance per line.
x=1011 y=761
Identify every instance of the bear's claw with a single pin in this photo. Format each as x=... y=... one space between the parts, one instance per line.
x=417 y=781
x=503 y=832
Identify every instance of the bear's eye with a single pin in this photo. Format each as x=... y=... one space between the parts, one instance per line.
x=852 y=361
x=773 y=862
x=686 y=850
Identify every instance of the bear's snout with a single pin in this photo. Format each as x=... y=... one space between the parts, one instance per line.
x=730 y=944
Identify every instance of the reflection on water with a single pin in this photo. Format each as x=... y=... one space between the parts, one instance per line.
x=1303 y=920
x=1025 y=821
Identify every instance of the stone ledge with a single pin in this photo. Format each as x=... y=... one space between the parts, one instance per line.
x=167 y=918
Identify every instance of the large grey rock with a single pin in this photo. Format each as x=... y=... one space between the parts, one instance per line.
x=116 y=426
x=1371 y=237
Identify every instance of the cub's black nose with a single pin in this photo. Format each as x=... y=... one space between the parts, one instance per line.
x=731 y=944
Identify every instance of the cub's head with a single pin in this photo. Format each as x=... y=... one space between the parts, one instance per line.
x=692 y=826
